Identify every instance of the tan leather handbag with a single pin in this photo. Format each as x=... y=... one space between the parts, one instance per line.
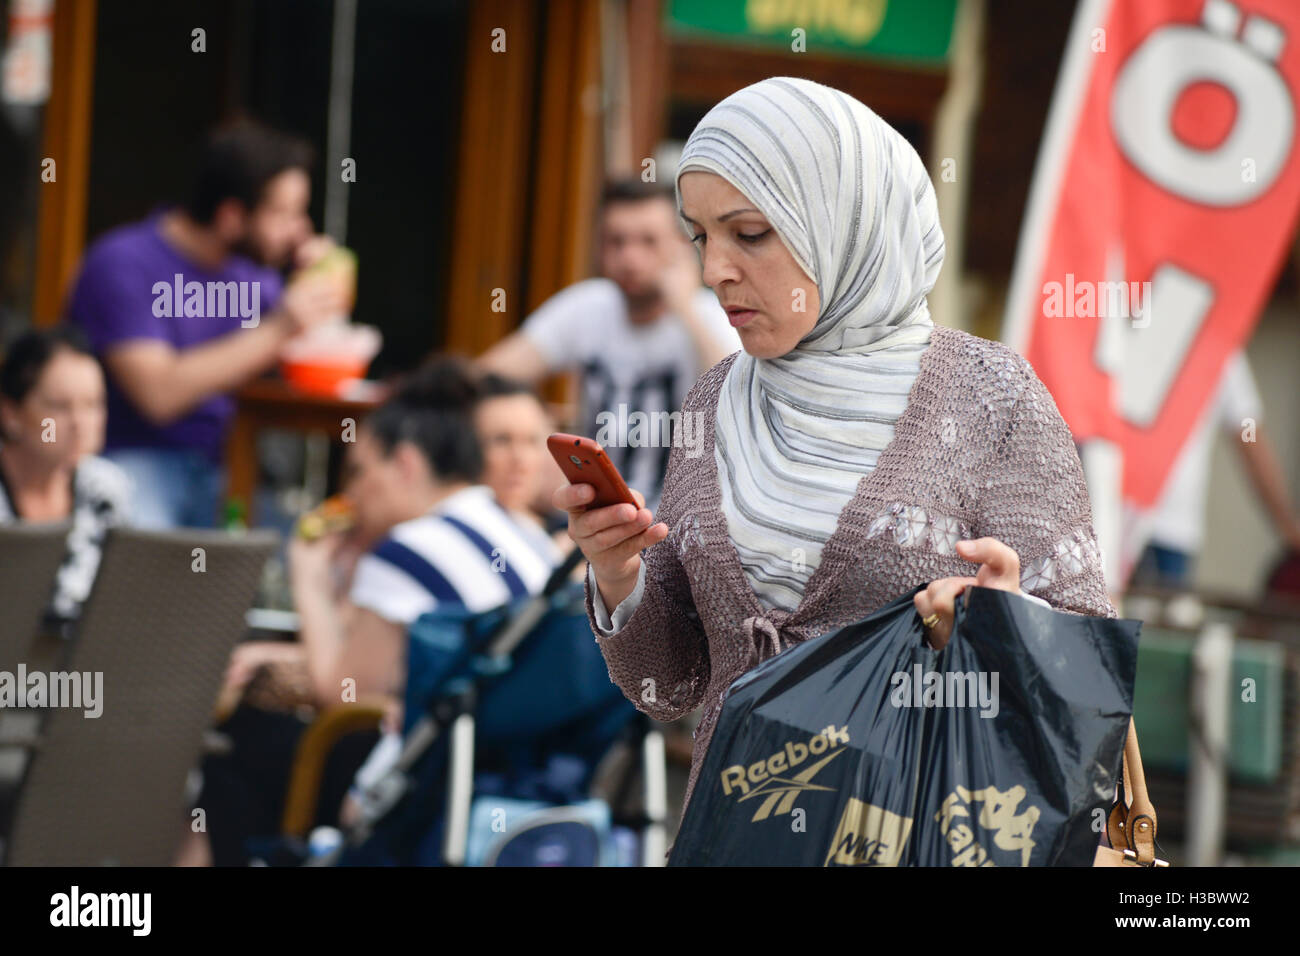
x=1131 y=826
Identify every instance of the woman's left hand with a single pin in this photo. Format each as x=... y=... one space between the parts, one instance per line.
x=999 y=568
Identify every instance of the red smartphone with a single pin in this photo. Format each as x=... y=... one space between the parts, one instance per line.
x=585 y=463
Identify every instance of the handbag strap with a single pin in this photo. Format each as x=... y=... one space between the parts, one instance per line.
x=1132 y=822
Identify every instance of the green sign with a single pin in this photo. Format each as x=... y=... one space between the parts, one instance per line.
x=915 y=30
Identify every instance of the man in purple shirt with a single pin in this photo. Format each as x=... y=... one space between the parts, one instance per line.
x=189 y=304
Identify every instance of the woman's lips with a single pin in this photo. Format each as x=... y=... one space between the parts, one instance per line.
x=739 y=317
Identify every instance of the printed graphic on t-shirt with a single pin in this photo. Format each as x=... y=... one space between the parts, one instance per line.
x=636 y=417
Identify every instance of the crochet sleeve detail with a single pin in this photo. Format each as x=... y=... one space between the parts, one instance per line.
x=659 y=658
x=1036 y=501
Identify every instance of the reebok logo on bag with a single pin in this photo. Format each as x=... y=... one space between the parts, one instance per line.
x=781 y=791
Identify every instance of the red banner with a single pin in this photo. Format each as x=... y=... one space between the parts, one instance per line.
x=1163 y=203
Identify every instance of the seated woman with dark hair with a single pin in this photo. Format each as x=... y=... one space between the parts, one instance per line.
x=52 y=413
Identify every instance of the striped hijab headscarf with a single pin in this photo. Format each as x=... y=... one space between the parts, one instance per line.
x=853 y=203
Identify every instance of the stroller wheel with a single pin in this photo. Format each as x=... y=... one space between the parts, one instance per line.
x=556 y=837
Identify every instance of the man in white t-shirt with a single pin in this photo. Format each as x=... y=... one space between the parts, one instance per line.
x=640 y=335
x=1177 y=524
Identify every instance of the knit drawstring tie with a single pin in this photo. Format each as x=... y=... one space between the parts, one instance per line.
x=763 y=636
x=762 y=640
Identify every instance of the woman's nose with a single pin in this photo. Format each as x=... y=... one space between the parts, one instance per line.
x=717 y=268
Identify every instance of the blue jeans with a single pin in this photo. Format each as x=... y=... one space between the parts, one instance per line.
x=1159 y=566
x=174 y=487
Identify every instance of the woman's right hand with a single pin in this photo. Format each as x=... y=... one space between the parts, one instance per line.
x=612 y=538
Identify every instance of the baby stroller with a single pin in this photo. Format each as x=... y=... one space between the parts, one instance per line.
x=510 y=718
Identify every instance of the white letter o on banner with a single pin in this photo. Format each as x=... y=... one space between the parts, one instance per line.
x=1142 y=105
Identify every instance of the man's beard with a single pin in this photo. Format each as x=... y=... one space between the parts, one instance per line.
x=250 y=250
x=642 y=300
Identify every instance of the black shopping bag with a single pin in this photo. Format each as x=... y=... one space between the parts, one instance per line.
x=866 y=747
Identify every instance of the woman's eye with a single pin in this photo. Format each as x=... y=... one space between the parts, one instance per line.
x=697 y=238
x=743 y=237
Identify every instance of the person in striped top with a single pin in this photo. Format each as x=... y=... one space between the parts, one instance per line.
x=466 y=551
x=439 y=537
x=429 y=534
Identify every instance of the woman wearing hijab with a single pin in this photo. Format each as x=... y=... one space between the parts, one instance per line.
x=852 y=451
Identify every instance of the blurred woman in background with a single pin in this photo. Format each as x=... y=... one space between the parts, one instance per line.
x=433 y=533
x=52 y=415
x=512 y=425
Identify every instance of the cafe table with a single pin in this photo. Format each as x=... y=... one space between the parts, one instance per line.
x=273 y=403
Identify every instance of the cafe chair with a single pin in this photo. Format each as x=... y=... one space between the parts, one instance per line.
x=159 y=625
x=30 y=555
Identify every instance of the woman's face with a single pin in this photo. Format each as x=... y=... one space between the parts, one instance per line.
x=768 y=298
x=62 y=418
x=512 y=431
x=378 y=485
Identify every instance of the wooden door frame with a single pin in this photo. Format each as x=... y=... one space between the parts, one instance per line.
x=530 y=165
x=492 y=183
x=61 y=221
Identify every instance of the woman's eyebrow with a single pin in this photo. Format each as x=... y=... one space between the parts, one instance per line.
x=723 y=218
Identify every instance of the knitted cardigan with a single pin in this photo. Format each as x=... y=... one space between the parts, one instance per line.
x=980 y=450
